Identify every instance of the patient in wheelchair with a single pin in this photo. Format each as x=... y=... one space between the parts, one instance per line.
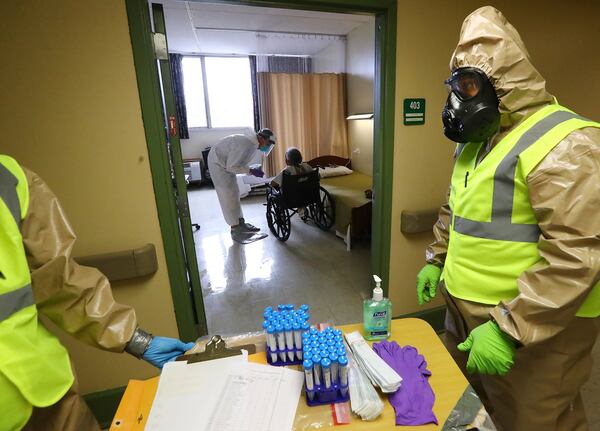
x=295 y=166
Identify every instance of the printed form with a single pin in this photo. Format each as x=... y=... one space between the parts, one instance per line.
x=228 y=394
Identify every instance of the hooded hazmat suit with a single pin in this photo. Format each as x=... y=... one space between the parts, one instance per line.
x=37 y=387
x=230 y=156
x=541 y=391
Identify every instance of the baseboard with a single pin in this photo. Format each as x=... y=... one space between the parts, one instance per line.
x=434 y=316
x=103 y=404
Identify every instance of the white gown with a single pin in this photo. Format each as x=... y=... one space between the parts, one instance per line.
x=230 y=156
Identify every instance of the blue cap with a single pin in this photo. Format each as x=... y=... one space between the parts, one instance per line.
x=305 y=336
x=323 y=346
x=304 y=307
x=325 y=363
x=339 y=338
x=332 y=349
x=270 y=329
x=313 y=331
x=289 y=307
x=307 y=364
x=341 y=351
x=340 y=344
x=296 y=325
x=330 y=342
x=342 y=360
x=314 y=344
x=287 y=326
x=330 y=336
x=275 y=314
x=333 y=357
x=337 y=331
x=328 y=329
x=265 y=324
x=316 y=359
x=305 y=326
x=278 y=327
x=315 y=350
x=307 y=350
x=281 y=307
x=285 y=313
x=267 y=314
x=268 y=309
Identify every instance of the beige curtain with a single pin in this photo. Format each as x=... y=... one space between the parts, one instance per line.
x=306 y=111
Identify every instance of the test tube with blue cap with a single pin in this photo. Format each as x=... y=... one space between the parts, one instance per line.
x=297 y=327
x=341 y=351
x=326 y=370
x=313 y=331
x=272 y=342
x=343 y=373
x=289 y=339
x=316 y=360
x=309 y=378
x=280 y=335
x=334 y=366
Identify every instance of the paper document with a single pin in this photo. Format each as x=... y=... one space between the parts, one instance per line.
x=225 y=395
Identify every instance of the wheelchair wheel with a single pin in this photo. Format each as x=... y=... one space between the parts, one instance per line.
x=323 y=212
x=278 y=219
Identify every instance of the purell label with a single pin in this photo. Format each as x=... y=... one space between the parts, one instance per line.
x=379 y=314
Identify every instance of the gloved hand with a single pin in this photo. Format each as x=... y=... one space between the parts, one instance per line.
x=491 y=350
x=257 y=172
x=162 y=350
x=427 y=281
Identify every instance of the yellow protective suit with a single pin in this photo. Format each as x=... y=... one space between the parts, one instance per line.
x=76 y=298
x=541 y=392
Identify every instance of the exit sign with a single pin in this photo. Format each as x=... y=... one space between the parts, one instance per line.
x=414 y=112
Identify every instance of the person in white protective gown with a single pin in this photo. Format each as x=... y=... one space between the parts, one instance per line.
x=230 y=156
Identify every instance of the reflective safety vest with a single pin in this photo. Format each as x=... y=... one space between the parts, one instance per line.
x=34 y=366
x=493 y=232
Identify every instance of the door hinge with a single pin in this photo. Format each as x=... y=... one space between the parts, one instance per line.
x=183 y=206
x=159 y=40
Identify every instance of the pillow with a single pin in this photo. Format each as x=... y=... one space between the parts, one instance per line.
x=334 y=171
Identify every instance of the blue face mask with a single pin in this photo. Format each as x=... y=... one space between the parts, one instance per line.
x=266 y=150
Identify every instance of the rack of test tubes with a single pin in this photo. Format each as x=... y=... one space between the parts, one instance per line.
x=284 y=327
x=325 y=366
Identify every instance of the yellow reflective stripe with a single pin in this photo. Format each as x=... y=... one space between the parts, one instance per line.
x=15 y=300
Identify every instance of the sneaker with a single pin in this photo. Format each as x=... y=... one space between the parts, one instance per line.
x=248 y=227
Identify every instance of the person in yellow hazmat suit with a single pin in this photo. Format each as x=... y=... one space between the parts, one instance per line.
x=517 y=247
x=38 y=389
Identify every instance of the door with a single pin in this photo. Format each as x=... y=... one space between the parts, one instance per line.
x=172 y=150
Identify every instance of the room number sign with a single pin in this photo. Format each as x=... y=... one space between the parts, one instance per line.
x=414 y=112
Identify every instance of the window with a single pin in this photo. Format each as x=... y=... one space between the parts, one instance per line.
x=218 y=91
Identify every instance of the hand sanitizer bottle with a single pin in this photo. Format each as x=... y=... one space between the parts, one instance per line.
x=377 y=314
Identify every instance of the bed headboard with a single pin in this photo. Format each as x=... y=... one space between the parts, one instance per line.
x=325 y=161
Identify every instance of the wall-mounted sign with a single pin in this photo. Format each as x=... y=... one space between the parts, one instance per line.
x=414 y=112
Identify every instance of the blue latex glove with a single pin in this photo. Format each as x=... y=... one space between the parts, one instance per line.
x=162 y=350
x=257 y=172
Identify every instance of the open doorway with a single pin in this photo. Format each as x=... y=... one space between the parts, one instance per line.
x=223 y=254
x=302 y=74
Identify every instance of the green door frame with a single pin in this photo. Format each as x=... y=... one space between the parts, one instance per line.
x=384 y=105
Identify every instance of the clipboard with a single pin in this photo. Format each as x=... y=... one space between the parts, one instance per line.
x=136 y=402
x=216 y=349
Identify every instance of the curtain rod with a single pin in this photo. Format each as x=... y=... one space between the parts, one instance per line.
x=191 y=53
x=299 y=33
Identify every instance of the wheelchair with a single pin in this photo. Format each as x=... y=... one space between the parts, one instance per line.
x=299 y=191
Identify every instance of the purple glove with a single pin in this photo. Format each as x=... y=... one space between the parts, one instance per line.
x=413 y=402
x=257 y=172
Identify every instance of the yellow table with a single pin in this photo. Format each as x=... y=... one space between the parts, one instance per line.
x=447 y=382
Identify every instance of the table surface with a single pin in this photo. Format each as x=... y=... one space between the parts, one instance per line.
x=447 y=381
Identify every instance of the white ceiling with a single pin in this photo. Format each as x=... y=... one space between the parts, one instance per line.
x=194 y=27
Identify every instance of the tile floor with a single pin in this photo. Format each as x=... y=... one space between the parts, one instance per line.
x=312 y=267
